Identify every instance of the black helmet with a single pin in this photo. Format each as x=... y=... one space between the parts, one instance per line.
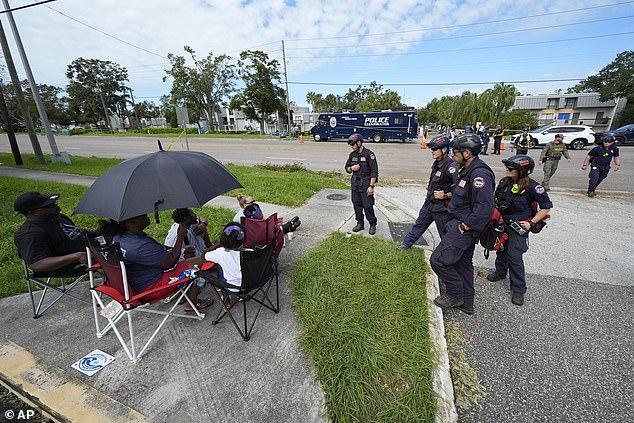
x=523 y=163
x=467 y=142
x=354 y=138
x=526 y=129
x=439 y=141
x=608 y=138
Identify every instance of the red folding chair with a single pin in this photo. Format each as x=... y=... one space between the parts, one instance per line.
x=125 y=302
x=260 y=232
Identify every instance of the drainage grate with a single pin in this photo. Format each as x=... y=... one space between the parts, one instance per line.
x=399 y=230
x=336 y=197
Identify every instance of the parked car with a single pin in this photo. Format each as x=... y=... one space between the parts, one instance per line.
x=576 y=137
x=624 y=135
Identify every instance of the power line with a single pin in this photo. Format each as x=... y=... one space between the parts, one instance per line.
x=437 y=84
x=477 y=48
x=488 y=22
x=106 y=34
x=455 y=37
x=27 y=6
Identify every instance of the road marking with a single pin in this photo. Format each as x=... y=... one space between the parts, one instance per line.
x=287 y=158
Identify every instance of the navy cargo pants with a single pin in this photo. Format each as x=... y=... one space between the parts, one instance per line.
x=362 y=202
x=452 y=261
x=424 y=220
x=597 y=174
x=511 y=259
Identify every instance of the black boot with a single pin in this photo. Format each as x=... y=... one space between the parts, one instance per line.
x=358 y=227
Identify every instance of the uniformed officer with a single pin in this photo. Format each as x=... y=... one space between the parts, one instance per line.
x=515 y=198
x=523 y=142
x=551 y=154
x=470 y=209
x=441 y=180
x=365 y=173
x=599 y=159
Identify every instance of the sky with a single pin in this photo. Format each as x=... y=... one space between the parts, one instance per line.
x=420 y=49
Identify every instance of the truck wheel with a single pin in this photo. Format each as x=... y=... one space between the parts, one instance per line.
x=377 y=138
x=316 y=137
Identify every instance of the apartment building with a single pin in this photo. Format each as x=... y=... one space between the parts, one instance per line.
x=572 y=109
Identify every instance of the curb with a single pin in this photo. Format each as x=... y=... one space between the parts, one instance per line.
x=70 y=399
x=441 y=376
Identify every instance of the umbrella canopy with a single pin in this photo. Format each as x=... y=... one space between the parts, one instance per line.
x=158 y=181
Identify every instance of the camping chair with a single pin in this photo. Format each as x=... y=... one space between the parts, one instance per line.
x=125 y=301
x=259 y=232
x=259 y=268
x=61 y=280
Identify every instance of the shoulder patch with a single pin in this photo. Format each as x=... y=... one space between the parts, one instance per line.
x=479 y=182
x=372 y=156
x=539 y=189
x=452 y=170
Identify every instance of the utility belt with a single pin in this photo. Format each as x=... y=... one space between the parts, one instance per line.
x=552 y=158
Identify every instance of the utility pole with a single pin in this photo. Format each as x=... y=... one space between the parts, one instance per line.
x=35 y=143
x=103 y=104
x=288 y=104
x=34 y=88
x=136 y=116
x=4 y=115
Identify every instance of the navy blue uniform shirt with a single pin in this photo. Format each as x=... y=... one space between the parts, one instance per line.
x=472 y=200
x=369 y=168
x=602 y=155
x=523 y=210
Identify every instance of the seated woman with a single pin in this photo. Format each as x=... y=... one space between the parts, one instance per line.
x=226 y=254
x=197 y=238
x=244 y=201
x=148 y=263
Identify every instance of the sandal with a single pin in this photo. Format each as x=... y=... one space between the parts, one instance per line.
x=201 y=304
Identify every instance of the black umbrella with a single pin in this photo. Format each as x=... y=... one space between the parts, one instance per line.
x=158 y=181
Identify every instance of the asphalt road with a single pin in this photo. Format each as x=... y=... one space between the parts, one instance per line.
x=404 y=161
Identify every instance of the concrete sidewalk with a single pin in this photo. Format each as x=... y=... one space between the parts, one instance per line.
x=564 y=356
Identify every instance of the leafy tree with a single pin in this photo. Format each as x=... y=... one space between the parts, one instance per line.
x=93 y=83
x=55 y=104
x=518 y=118
x=202 y=88
x=261 y=96
x=614 y=80
x=502 y=98
x=361 y=99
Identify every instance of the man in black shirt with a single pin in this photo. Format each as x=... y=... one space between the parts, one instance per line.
x=48 y=241
x=362 y=165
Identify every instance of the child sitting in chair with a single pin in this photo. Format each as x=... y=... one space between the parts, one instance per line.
x=227 y=254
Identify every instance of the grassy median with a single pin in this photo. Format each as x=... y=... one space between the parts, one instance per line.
x=287 y=185
x=363 y=311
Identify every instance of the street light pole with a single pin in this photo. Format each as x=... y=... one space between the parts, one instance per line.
x=34 y=88
x=288 y=104
x=19 y=96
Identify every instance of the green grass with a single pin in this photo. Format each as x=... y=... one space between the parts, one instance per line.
x=287 y=185
x=87 y=166
x=363 y=310
x=11 y=273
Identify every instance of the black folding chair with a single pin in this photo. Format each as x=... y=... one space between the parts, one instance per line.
x=259 y=270
x=61 y=281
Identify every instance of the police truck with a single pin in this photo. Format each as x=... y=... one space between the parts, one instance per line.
x=375 y=126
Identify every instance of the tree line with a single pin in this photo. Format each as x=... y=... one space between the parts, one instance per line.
x=97 y=89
